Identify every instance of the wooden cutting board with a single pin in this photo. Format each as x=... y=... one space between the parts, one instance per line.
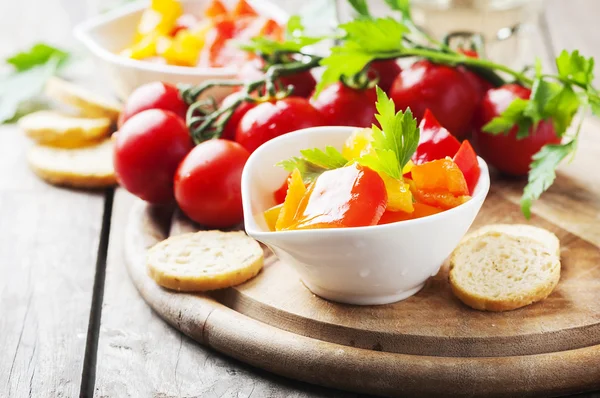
x=429 y=344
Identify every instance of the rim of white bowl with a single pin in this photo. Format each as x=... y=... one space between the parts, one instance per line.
x=480 y=193
x=82 y=33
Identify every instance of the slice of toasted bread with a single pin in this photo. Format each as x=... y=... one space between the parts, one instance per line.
x=205 y=260
x=87 y=102
x=498 y=271
x=87 y=167
x=524 y=230
x=55 y=129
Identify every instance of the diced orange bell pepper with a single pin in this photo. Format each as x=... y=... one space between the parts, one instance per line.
x=441 y=175
x=242 y=8
x=420 y=210
x=351 y=196
x=272 y=215
x=215 y=9
x=398 y=193
x=272 y=30
x=443 y=200
x=295 y=193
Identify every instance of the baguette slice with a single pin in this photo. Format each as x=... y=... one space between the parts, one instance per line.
x=55 y=129
x=87 y=167
x=521 y=230
x=497 y=271
x=89 y=103
x=205 y=260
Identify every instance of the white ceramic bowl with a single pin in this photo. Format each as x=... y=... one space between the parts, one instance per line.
x=366 y=265
x=107 y=34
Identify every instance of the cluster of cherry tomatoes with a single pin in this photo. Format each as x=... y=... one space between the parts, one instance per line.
x=156 y=159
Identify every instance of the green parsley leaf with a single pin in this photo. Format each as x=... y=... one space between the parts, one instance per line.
x=511 y=116
x=295 y=40
x=396 y=141
x=308 y=170
x=542 y=92
x=576 y=67
x=543 y=172
x=331 y=158
x=365 y=40
x=401 y=5
x=594 y=100
x=39 y=54
x=361 y=7
x=22 y=86
x=562 y=109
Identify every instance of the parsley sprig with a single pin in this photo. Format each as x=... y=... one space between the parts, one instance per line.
x=31 y=69
x=392 y=147
x=294 y=40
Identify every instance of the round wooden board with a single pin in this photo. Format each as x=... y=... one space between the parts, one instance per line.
x=429 y=344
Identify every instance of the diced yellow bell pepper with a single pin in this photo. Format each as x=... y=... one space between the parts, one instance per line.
x=408 y=167
x=358 y=144
x=160 y=18
x=295 y=193
x=398 y=193
x=272 y=215
x=182 y=50
x=144 y=48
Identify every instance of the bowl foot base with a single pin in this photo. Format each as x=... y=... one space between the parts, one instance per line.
x=362 y=300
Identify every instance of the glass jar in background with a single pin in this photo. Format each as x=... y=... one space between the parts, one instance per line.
x=508 y=28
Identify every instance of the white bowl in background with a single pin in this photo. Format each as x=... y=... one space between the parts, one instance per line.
x=366 y=265
x=107 y=34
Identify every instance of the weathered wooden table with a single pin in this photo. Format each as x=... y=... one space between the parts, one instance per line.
x=72 y=323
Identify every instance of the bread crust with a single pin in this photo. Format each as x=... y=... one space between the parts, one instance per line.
x=165 y=268
x=63 y=167
x=517 y=299
x=88 y=103
x=54 y=129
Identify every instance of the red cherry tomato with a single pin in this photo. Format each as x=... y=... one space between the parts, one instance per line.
x=442 y=89
x=271 y=119
x=155 y=95
x=435 y=141
x=466 y=160
x=208 y=183
x=304 y=83
x=148 y=148
x=345 y=106
x=387 y=71
x=505 y=152
x=353 y=196
x=479 y=84
x=234 y=120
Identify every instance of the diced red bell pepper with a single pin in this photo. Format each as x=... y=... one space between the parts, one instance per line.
x=435 y=142
x=466 y=160
x=281 y=192
x=352 y=196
